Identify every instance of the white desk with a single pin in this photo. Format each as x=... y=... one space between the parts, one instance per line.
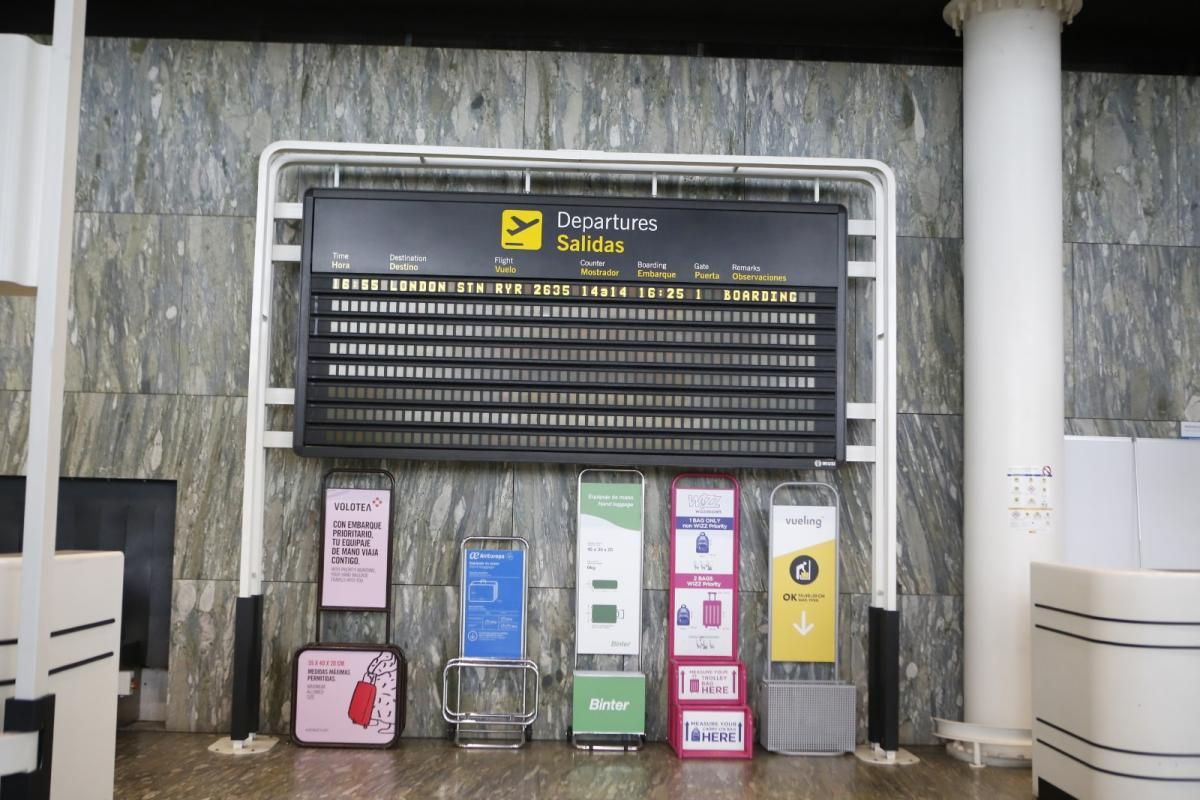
x=85 y=646
x=1116 y=683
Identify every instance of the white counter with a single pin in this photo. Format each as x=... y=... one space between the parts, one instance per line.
x=85 y=646
x=1116 y=683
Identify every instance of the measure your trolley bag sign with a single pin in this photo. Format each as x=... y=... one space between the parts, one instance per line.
x=804 y=583
x=494 y=608
x=709 y=683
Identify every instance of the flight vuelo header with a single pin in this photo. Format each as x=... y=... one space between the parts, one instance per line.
x=416 y=235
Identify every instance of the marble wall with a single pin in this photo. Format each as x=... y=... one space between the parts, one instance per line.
x=170 y=137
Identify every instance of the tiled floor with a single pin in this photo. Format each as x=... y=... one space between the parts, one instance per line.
x=155 y=765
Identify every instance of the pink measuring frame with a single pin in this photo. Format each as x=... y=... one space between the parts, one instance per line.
x=688 y=580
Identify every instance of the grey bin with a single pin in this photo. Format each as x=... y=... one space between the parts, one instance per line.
x=807 y=717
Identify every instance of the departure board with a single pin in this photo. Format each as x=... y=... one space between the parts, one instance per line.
x=607 y=331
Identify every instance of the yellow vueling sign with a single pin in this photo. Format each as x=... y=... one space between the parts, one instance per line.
x=804 y=583
x=520 y=229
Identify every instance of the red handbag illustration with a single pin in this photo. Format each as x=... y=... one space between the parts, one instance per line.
x=361 y=703
x=712 y=611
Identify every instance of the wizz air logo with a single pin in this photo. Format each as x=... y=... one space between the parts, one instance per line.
x=704 y=502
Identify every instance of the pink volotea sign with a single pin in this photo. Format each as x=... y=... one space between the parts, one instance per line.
x=355 y=549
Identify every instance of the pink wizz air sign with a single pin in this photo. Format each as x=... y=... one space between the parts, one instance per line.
x=704 y=572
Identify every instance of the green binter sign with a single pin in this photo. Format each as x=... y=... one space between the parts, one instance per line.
x=609 y=702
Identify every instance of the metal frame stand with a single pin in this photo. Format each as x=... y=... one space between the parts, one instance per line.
x=880 y=270
x=684 y=713
x=386 y=645
x=504 y=730
x=803 y=717
x=610 y=742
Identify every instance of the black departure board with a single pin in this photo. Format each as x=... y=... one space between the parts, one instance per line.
x=591 y=330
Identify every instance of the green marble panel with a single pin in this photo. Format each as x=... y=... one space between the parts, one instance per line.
x=126 y=296
x=909 y=117
x=1120 y=143
x=200 y=679
x=1136 y=332
x=177 y=126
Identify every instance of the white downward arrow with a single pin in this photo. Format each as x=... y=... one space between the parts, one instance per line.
x=804 y=628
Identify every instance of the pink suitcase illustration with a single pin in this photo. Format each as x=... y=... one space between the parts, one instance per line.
x=712 y=611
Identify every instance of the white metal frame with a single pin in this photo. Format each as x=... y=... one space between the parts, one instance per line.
x=579 y=561
x=604 y=741
x=768 y=699
x=874 y=175
x=492 y=730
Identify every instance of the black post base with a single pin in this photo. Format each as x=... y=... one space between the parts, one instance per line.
x=247 y=668
x=883 y=680
x=30 y=716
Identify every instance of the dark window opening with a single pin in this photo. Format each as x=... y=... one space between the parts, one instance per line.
x=133 y=516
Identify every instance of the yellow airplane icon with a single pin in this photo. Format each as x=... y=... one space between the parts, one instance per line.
x=520 y=229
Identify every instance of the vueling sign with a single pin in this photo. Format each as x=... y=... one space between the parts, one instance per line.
x=609 y=702
x=804 y=583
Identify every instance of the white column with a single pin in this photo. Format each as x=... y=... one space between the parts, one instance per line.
x=1012 y=275
x=49 y=346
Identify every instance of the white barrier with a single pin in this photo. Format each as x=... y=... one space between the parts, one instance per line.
x=81 y=655
x=1116 y=701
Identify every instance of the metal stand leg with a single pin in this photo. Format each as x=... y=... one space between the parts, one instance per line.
x=492 y=729
x=505 y=730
